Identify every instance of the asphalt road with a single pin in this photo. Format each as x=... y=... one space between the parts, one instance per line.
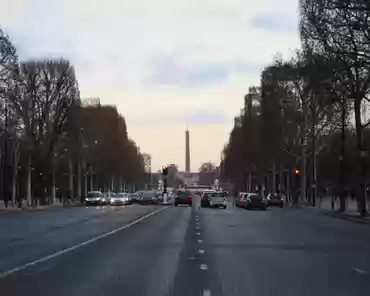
x=154 y=250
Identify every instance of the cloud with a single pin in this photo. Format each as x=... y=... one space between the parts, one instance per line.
x=160 y=61
x=178 y=117
x=187 y=71
x=207 y=117
x=275 y=22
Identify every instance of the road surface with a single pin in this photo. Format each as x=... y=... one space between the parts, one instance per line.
x=173 y=251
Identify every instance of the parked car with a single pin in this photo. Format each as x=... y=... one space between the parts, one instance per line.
x=183 y=197
x=94 y=198
x=121 y=198
x=275 y=199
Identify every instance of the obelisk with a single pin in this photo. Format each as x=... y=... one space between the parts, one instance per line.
x=187 y=151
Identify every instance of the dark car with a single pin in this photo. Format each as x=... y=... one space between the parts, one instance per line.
x=255 y=201
x=275 y=199
x=205 y=199
x=94 y=198
x=183 y=197
x=134 y=197
x=148 y=198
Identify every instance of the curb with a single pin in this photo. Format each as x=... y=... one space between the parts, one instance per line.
x=343 y=216
x=36 y=209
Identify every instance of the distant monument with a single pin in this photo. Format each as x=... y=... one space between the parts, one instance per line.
x=187 y=151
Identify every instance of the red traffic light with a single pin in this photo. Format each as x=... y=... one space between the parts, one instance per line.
x=164 y=170
x=297 y=172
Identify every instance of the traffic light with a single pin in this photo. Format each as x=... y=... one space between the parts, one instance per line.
x=297 y=172
x=165 y=170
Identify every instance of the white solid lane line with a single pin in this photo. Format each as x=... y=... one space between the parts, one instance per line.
x=75 y=247
x=206 y=293
x=360 y=271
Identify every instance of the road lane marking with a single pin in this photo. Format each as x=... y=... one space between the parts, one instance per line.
x=198 y=233
x=200 y=241
x=206 y=293
x=201 y=251
x=75 y=247
x=203 y=267
x=360 y=271
x=197 y=227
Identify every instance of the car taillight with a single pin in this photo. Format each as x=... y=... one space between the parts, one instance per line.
x=189 y=196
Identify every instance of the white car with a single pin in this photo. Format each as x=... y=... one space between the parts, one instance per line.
x=122 y=198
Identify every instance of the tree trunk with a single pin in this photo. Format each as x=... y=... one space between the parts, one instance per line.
x=70 y=177
x=91 y=178
x=53 y=179
x=15 y=172
x=79 y=195
x=29 y=181
x=273 y=189
x=85 y=179
x=314 y=174
x=360 y=155
x=342 y=207
x=288 y=187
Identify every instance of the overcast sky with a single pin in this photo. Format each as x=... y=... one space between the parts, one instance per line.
x=166 y=64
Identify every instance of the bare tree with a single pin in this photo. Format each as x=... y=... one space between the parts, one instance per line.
x=340 y=29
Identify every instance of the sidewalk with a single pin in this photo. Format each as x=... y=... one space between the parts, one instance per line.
x=351 y=213
x=24 y=207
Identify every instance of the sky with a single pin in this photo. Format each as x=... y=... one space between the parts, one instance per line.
x=165 y=64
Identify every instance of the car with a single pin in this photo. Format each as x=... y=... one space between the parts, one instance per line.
x=204 y=202
x=94 y=198
x=134 y=197
x=241 y=200
x=255 y=201
x=148 y=197
x=121 y=198
x=217 y=199
x=275 y=199
x=183 y=197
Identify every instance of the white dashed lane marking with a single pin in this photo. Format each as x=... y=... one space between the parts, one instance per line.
x=206 y=293
x=200 y=241
x=203 y=267
x=201 y=251
x=198 y=233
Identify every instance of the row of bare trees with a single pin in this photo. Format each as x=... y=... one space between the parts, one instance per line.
x=52 y=143
x=304 y=130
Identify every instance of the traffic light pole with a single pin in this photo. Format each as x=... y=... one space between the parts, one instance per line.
x=164 y=173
